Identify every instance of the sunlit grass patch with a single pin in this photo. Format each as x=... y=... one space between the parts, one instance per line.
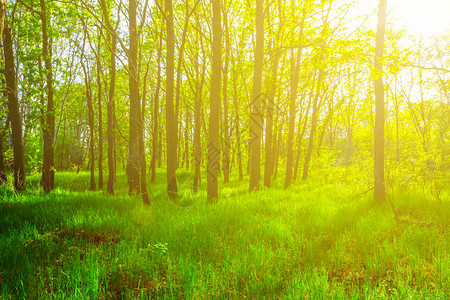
x=316 y=240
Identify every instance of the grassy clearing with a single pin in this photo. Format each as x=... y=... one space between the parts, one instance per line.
x=320 y=239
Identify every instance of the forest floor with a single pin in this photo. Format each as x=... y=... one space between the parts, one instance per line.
x=319 y=239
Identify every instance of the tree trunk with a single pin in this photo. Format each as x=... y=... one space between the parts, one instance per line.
x=155 y=112
x=100 y=119
x=197 y=126
x=295 y=67
x=300 y=135
x=379 y=184
x=3 y=178
x=110 y=107
x=313 y=126
x=48 y=169
x=236 y=123
x=136 y=156
x=226 y=126
x=171 y=128
x=269 y=120
x=179 y=75
x=213 y=138
x=87 y=83
x=135 y=111
x=14 y=110
x=256 y=115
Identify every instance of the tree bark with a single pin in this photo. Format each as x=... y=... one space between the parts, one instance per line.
x=197 y=125
x=14 y=110
x=100 y=119
x=226 y=126
x=236 y=123
x=135 y=111
x=256 y=114
x=379 y=183
x=171 y=128
x=87 y=83
x=48 y=165
x=156 y=112
x=295 y=67
x=313 y=126
x=213 y=138
x=136 y=151
x=300 y=135
x=3 y=178
x=110 y=106
x=269 y=119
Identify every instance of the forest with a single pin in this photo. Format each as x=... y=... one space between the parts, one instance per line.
x=224 y=149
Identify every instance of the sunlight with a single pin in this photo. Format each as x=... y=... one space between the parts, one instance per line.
x=424 y=17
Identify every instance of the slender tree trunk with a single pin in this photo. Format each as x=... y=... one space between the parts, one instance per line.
x=278 y=146
x=87 y=83
x=62 y=146
x=14 y=110
x=269 y=120
x=186 y=141
x=135 y=110
x=256 y=114
x=136 y=160
x=3 y=178
x=313 y=126
x=48 y=171
x=155 y=112
x=226 y=126
x=396 y=105
x=295 y=66
x=236 y=123
x=199 y=80
x=110 y=106
x=213 y=138
x=100 y=119
x=197 y=127
x=301 y=133
x=379 y=184
x=179 y=75
x=171 y=128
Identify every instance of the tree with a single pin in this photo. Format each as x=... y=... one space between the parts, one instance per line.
x=87 y=84
x=110 y=106
x=3 y=178
x=213 y=138
x=171 y=128
x=199 y=80
x=226 y=127
x=379 y=184
x=156 y=109
x=256 y=114
x=100 y=115
x=268 y=161
x=48 y=165
x=136 y=157
x=14 y=111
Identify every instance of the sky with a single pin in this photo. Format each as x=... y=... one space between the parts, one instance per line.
x=426 y=17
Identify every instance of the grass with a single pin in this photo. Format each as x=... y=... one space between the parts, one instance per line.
x=319 y=239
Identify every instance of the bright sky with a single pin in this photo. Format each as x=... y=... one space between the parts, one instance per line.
x=425 y=17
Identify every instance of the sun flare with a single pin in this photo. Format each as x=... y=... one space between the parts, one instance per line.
x=426 y=17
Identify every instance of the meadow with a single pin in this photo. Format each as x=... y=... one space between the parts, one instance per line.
x=322 y=238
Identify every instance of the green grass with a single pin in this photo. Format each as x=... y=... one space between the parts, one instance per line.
x=319 y=239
